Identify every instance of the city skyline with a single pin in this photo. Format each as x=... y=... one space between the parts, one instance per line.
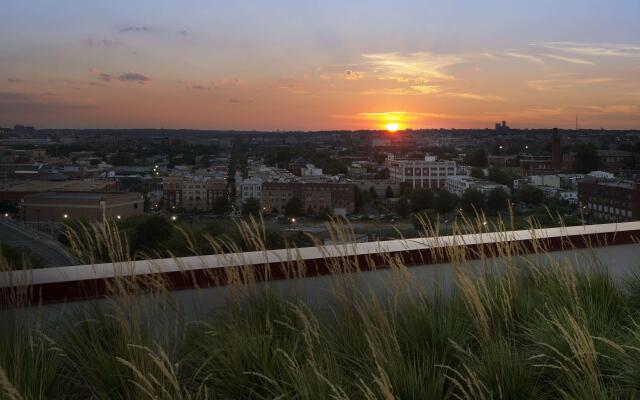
x=296 y=66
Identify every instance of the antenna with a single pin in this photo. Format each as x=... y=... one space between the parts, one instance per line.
x=576 y=121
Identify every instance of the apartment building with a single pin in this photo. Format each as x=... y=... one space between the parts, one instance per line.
x=609 y=200
x=338 y=198
x=192 y=192
x=427 y=173
x=251 y=189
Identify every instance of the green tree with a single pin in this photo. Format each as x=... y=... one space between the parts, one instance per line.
x=8 y=207
x=422 y=199
x=446 y=202
x=587 y=159
x=122 y=158
x=500 y=176
x=373 y=193
x=529 y=194
x=498 y=199
x=477 y=158
x=221 y=206
x=388 y=193
x=402 y=207
x=477 y=173
x=251 y=207
x=294 y=208
x=473 y=199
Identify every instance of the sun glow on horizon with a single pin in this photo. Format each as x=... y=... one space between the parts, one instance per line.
x=392 y=127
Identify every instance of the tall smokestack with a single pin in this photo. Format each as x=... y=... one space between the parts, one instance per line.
x=556 y=153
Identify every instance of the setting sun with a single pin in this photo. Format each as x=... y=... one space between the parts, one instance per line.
x=392 y=127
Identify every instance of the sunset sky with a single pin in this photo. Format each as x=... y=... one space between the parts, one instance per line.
x=310 y=65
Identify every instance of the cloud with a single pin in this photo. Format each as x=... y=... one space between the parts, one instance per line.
x=571 y=60
x=101 y=43
x=129 y=29
x=239 y=101
x=594 y=49
x=26 y=103
x=183 y=32
x=103 y=76
x=524 y=56
x=474 y=96
x=625 y=109
x=352 y=75
x=415 y=68
x=15 y=80
x=133 y=77
x=565 y=83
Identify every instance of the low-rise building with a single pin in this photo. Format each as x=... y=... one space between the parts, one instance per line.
x=15 y=192
x=251 y=189
x=427 y=173
x=315 y=197
x=192 y=193
x=609 y=200
x=87 y=206
x=459 y=184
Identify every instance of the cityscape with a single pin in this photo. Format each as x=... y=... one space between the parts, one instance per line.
x=319 y=201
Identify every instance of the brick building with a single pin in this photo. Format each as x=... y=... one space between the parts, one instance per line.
x=314 y=196
x=192 y=193
x=427 y=173
x=88 y=206
x=609 y=200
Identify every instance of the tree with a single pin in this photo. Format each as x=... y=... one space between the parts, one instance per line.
x=587 y=159
x=498 y=199
x=373 y=193
x=122 y=158
x=388 y=193
x=421 y=199
x=8 y=207
x=402 y=207
x=530 y=195
x=477 y=173
x=473 y=200
x=251 y=207
x=358 y=199
x=477 y=158
x=221 y=206
x=500 y=176
x=446 y=201
x=294 y=207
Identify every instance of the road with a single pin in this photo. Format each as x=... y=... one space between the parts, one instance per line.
x=48 y=250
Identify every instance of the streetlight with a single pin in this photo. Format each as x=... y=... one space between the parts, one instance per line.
x=173 y=217
x=118 y=217
x=65 y=216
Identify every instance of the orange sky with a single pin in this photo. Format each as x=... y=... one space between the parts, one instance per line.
x=312 y=70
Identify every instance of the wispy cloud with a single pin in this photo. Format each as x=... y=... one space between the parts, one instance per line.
x=133 y=77
x=15 y=80
x=524 y=56
x=571 y=60
x=140 y=28
x=101 y=43
x=474 y=96
x=565 y=83
x=594 y=49
x=352 y=75
x=415 y=68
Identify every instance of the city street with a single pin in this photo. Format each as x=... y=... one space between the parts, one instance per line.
x=49 y=251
